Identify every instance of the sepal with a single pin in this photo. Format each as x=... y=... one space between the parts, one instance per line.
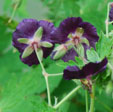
x=27 y=52
x=46 y=44
x=38 y=34
x=23 y=40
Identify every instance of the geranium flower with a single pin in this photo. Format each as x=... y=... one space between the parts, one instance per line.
x=73 y=32
x=111 y=14
x=90 y=69
x=30 y=33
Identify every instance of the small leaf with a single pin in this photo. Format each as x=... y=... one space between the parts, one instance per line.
x=92 y=55
x=79 y=62
x=84 y=40
x=103 y=46
x=23 y=40
x=46 y=44
x=28 y=51
x=40 y=53
x=38 y=33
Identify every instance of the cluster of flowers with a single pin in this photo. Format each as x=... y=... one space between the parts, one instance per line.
x=71 y=36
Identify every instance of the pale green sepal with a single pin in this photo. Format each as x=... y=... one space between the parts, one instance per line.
x=70 y=35
x=38 y=33
x=59 y=54
x=84 y=40
x=80 y=50
x=27 y=52
x=23 y=40
x=40 y=54
x=46 y=44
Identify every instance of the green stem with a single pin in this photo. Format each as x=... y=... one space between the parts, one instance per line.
x=86 y=95
x=57 y=74
x=111 y=22
x=45 y=76
x=66 y=97
x=92 y=99
x=13 y=13
x=48 y=91
x=43 y=69
x=107 y=23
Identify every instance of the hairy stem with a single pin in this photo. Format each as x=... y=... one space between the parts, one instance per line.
x=13 y=13
x=92 y=99
x=48 y=91
x=57 y=74
x=66 y=97
x=107 y=21
x=86 y=95
x=45 y=76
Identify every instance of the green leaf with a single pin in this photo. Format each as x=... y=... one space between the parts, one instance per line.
x=92 y=55
x=103 y=46
x=23 y=40
x=38 y=33
x=46 y=44
x=79 y=62
x=27 y=52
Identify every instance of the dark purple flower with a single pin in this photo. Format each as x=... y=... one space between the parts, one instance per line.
x=26 y=30
x=90 y=69
x=73 y=30
x=111 y=14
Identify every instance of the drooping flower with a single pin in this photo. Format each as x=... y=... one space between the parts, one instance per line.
x=90 y=69
x=73 y=32
x=111 y=14
x=30 y=33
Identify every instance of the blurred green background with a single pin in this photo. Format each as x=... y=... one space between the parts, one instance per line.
x=22 y=88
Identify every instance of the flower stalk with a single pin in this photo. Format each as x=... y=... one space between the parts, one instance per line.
x=86 y=95
x=92 y=99
x=45 y=76
x=107 y=21
x=67 y=97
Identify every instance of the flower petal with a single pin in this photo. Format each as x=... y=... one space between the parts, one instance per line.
x=67 y=26
x=111 y=14
x=88 y=70
x=90 y=33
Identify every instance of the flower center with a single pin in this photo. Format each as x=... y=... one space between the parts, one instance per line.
x=34 y=43
x=76 y=40
x=76 y=36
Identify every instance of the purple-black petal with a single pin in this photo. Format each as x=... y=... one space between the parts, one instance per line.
x=73 y=72
x=111 y=14
x=70 y=55
x=69 y=25
x=90 y=33
x=26 y=29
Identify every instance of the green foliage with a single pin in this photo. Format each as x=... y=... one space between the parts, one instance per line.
x=18 y=82
x=23 y=89
x=92 y=55
x=60 y=9
x=79 y=62
x=103 y=46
